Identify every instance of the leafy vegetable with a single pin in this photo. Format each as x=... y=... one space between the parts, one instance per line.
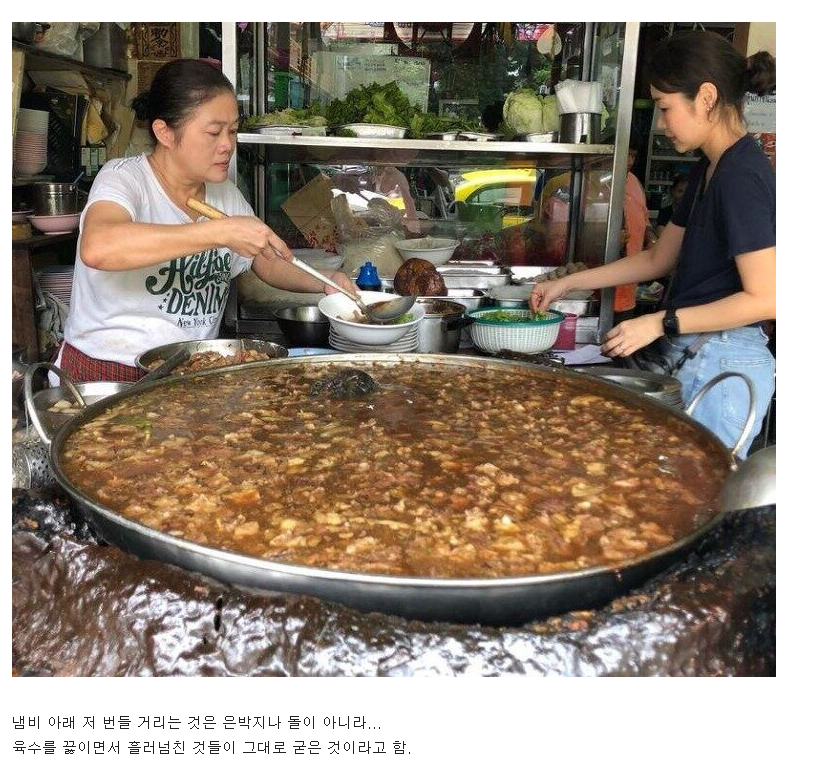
x=514 y=315
x=525 y=111
x=288 y=116
x=379 y=104
x=422 y=124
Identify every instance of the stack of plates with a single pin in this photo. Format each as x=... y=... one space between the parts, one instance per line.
x=407 y=343
x=31 y=142
x=57 y=280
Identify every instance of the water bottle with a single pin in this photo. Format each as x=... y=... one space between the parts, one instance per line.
x=368 y=279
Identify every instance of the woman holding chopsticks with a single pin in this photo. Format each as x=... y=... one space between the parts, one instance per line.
x=149 y=269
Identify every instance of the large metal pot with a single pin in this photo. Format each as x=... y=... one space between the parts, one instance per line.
x=502 y=601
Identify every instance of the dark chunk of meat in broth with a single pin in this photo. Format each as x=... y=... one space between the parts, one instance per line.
x=445 y=471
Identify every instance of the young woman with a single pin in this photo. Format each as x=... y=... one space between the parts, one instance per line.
x=720 y=242
x=149 y=270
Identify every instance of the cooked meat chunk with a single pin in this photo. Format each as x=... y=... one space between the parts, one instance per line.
x=419 y=277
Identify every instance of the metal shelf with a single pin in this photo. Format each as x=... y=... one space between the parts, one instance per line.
x=390 y=151
x=36 y=59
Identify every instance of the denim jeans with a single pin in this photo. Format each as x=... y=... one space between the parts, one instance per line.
x=724 y=408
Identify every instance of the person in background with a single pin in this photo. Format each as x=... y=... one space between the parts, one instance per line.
x=149 y=270
x=677 y=191
x=720 y=241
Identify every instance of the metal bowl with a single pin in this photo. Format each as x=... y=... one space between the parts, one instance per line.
x=91 y=393
x=222 y=346
x=303 y=326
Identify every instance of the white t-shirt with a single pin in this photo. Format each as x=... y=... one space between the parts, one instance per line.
x=117 y=315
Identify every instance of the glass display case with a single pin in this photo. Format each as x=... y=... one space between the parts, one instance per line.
x=533 y=203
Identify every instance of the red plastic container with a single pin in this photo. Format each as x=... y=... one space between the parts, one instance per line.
x=566 y=332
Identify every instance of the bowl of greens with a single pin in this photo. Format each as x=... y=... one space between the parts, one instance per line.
x=520 y=330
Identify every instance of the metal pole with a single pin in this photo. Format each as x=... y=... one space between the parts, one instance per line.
x=626 y=102
x=259 y=101
x=577 y=179
x=229 y=65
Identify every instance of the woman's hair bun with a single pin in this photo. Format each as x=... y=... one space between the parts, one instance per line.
x=761 y=75
x=141 y=106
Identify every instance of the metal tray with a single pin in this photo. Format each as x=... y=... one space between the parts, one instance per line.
x=363 y=130
x=222 y=346
x=482 y=278
x=289 y=130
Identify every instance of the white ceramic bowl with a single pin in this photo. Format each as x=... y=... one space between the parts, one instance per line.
x=436 y=250
x=520 y=335
x=60 y=223
x=338 y=304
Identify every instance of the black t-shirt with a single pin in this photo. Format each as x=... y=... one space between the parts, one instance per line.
x=735 y=214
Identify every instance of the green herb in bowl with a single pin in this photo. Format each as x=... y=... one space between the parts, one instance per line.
x=516 y=316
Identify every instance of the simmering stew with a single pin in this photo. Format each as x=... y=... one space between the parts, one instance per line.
x=440 y=471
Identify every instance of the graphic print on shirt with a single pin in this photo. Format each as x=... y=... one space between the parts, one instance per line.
x=192 y=290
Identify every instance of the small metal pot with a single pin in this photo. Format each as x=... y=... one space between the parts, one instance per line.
x=23 y=31
x=303 y=326
x=440 y=329
x=50 y=199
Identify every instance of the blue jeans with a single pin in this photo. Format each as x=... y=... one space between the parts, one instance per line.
x=724 y=408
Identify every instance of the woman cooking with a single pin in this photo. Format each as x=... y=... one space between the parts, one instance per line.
x=720 y=242
x=149 y=270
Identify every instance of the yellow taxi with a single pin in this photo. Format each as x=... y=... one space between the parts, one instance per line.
x=509 y=190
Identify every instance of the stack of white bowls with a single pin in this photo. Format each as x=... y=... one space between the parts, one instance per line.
x=31 y=142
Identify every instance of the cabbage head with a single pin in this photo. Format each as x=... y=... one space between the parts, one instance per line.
x=525 y=111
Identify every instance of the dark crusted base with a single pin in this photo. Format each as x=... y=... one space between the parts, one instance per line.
x=81 y=608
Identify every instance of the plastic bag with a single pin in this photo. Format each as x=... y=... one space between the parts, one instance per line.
x=65 y=38
x=368 y=235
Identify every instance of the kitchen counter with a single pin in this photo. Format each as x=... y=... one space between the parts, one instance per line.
x=77 y=610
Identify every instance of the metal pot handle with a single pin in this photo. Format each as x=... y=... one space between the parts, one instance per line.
x=29 y=394
x=749 y=423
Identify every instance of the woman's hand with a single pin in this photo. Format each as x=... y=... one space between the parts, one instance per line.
x=250 y=237
x=544 y=293
x=631 y=335
x=342 y=280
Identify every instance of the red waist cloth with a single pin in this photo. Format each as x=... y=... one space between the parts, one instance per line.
x=83 y=368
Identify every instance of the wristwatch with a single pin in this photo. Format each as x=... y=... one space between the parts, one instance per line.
x=671 y=327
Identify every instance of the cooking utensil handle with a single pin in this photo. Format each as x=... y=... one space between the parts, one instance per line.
x=28 y=385
x=749 y=423
x=325 y=279
x=213 y=213
x=205 y=209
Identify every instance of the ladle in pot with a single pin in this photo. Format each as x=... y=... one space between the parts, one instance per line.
x=381 y=311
